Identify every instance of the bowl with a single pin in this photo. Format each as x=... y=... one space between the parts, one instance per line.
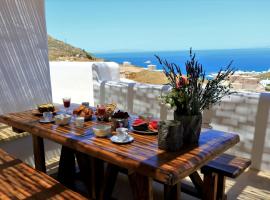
x=102 y=130
x=62 y=119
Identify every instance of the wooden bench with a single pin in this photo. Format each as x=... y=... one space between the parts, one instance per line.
x=216 y=171
x=20 y=181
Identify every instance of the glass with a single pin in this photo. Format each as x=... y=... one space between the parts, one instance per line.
x=101 y=112
x=66 y=102
x=122 y=133
x=47 y=116
x=79 y=121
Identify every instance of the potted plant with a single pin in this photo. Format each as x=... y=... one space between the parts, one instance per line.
x=191 y=93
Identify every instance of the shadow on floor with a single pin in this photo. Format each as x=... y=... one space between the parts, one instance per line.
x=251 y=185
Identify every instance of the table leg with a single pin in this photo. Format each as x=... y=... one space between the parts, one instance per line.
x=67 y=169
x=197 y=181
x=110 y=180
x=39 y=153
x=210 y=186
x=98 y=176
x=172 y=192
x=221 y=187
x=86 y=173
x=141 y=186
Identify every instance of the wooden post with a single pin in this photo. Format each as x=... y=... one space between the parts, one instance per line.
x=39 y=153
x=172 y=192
x=141 y=186
x=67 y=169
x=221 y=187
x=110 y=180
x=210 y=186
x=197 y=182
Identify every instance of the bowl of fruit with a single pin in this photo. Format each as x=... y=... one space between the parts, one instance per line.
x=145 y=126
x=119 y=119
x=83 y=111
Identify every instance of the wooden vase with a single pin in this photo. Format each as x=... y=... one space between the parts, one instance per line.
x=191 y=128
x=170 y=135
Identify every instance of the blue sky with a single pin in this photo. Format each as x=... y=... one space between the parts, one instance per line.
x=146 y=25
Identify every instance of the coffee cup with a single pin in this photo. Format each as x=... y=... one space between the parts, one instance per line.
x=47 y=116
x=122 y=133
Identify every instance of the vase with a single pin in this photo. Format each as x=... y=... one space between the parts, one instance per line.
x=170 y=135
x=191 y=128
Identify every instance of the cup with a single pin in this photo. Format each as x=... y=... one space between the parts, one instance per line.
x=79 y=121
x=47 y=116
x=122 y=133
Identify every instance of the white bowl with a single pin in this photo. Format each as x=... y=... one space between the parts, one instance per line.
x=102 y=130
x=62 y=119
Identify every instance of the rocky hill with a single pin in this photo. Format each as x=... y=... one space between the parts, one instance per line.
x=61 y=51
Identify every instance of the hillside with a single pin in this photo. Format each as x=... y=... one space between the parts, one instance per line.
x=61 y=51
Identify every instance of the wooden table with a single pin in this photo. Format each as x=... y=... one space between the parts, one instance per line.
x=141 y=156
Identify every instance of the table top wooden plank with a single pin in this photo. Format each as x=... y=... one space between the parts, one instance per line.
x=142 y=155
x=20 y=181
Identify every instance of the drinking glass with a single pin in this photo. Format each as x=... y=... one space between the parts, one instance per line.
x=101 y=111
x=66 y=102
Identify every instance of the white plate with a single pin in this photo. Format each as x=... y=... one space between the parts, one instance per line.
x=46 y=121
x=116 y=139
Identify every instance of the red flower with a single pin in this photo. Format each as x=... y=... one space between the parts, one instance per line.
x=182 y=80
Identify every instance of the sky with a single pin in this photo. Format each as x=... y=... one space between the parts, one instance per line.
x=151 y=25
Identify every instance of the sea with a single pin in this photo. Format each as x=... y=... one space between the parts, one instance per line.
x=244 y=60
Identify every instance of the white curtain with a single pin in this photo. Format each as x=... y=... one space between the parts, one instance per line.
x=24 y=65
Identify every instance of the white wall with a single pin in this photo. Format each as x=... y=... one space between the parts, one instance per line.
x=24 y=66
x=246 y=114
x=72 y=79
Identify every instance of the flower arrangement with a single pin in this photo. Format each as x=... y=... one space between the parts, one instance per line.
x=191 y=93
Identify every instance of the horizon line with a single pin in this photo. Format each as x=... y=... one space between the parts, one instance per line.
x=173 y=50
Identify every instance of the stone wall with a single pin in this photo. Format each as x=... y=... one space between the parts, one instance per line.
x=242 y=114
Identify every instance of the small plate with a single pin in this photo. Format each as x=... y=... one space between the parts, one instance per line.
x=46 y=121
x=147 y=132
x=115 y=139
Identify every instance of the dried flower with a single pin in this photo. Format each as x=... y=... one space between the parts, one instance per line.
x=191 y=94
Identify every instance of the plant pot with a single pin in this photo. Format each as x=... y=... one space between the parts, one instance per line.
x=191 y=128
x=170 y=135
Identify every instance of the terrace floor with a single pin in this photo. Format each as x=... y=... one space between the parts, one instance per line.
x=251 y=185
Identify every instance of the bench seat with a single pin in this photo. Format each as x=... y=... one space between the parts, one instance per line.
x=20 y=181
x=227 y=165
x=216 y=171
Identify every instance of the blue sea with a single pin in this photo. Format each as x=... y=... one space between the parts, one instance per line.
x=247 y=60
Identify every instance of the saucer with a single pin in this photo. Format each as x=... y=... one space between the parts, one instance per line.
x=116 y=139
x=45 y=121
